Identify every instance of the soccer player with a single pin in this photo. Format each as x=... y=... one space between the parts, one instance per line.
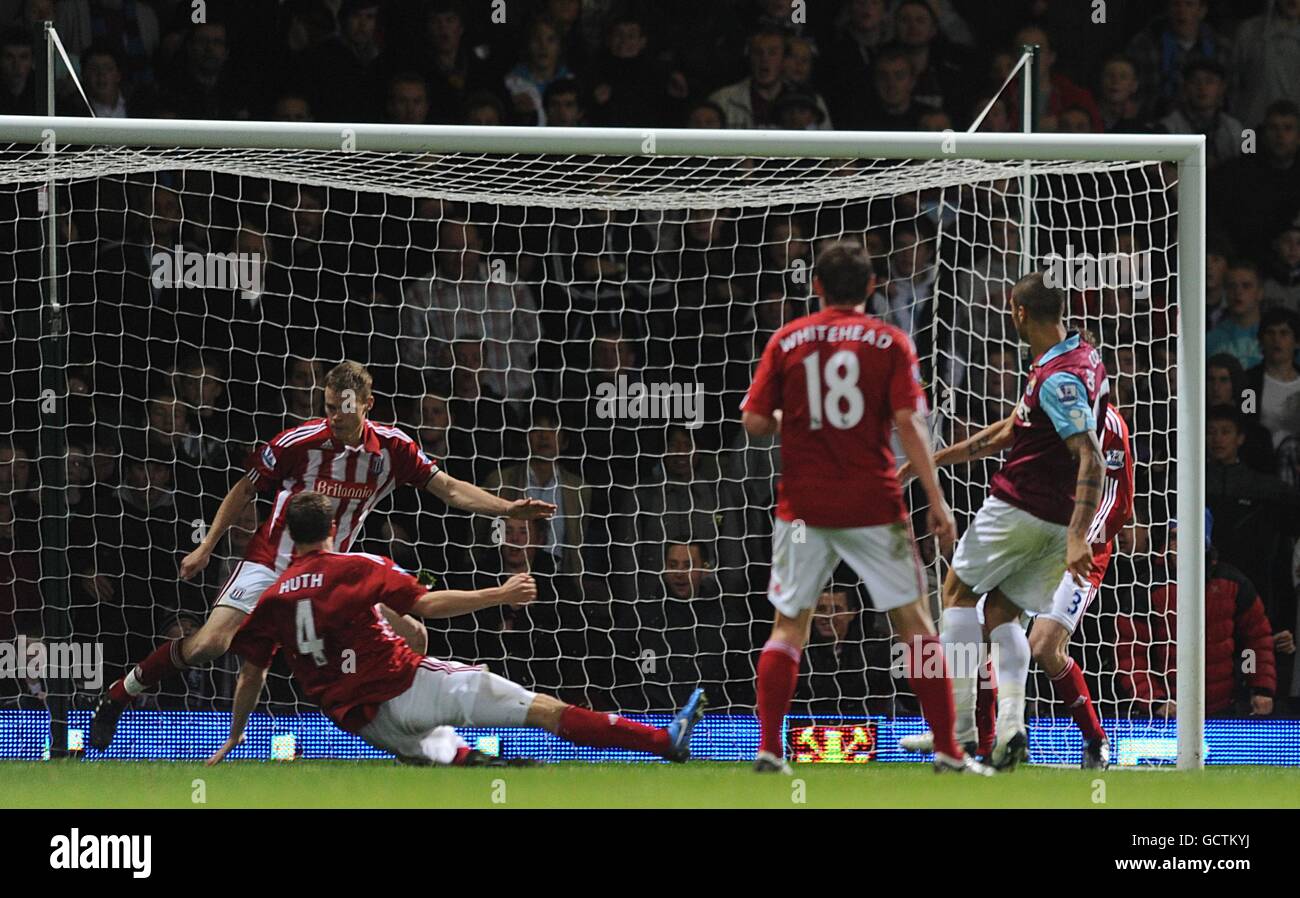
x=1050 y=635
x=346 y=458
x=322 y=610
x=836 y=384
x=1037 y=524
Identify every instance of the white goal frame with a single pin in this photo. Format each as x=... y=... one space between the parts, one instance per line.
x=1186 y=151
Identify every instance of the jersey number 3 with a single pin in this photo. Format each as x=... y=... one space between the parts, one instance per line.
x=841 y=378
x=308 y=642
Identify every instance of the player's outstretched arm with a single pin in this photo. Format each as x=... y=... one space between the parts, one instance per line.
x=518 y=590
x=913 y=435
x=231 y=508
x=1088 y=484
x=247 y=689
x=757 y=425
x=989 y=441
x=468 y=497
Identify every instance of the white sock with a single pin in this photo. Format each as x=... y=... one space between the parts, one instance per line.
x=960 y=633
x=1012 y=647
x=131 y=683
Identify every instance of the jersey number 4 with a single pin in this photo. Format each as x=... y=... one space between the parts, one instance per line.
x=308 y=642
x=841 y=379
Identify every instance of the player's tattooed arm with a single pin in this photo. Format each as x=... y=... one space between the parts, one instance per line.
x=248 y=688
x=1088 y=484
x=989 y=441
x=231 y=508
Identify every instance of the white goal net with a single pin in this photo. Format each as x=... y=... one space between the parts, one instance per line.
x=581 y=326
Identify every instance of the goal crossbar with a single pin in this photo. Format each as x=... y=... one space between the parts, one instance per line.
x=1187 y=152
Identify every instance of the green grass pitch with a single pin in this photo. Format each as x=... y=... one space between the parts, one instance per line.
x=378 y=784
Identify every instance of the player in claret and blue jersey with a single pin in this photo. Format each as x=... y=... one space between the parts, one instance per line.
x=1038 y=523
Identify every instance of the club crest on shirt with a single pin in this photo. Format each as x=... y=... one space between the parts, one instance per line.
x=377 y=466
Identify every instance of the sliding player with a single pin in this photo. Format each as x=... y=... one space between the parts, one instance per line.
x=343 y=456
x=322 y=610
x=837 y=383
x=1036 y=525
x=1049 y=637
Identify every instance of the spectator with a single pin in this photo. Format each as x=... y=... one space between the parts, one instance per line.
x=706 y=114
x=1226 y=386
x=1266 y=64
x=542 y=64
x=101 y=74
x=1270 y=178
x=1200 y=111
x=1057 y=93
x=484 y=108
x=1239 y=657
x=291 y=107
x=797 y=70
x=751 y=102
x=1256 y=513
x=341 y=71
x=18 y=485
x=942 y=81
x=454 y=71
x=206 y=87
x=466 y=300
x=1216 y=292
x=1165 y=48
x=862 y=31
x=848 y=657
x=304 y=381
x=20 y=578
x=1121 y=112
x=1282 y=282
x=906 y=296
x=892 y=106
x=1238 y=333
x=408 y=100
x=17 y=87
x=1276 y=385
x=541 y=477
x=632 y=88
x=563 y=104
x=682 y=624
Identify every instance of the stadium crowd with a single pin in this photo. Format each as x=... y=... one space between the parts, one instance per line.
x=652 y=575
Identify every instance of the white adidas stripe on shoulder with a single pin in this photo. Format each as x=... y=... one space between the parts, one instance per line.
x=298 y=434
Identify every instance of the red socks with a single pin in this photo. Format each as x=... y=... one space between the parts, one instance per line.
x=148 y=673
x=583 y=727
x=778 y=676
x=935 y=695
x=986 y=708
x=1069 y=685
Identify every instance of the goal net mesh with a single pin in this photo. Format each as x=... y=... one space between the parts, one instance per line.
x=583 y=327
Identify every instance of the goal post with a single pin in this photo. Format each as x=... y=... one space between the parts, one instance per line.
x=636 y=169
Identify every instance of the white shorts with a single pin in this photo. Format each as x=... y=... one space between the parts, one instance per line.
x=1069 y=602
x=884 y=557
x=246 y=586
x=1008 y=549
x=417 y=724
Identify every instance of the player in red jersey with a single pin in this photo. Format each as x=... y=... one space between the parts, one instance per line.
x=341 y=649
x=837 y=383
x=343 y=456
x=1050 y=635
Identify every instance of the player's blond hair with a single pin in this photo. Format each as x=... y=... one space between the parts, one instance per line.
x=350 y=376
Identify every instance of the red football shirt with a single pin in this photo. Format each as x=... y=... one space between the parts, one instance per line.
x=1116 y=508
x=340 y=649
x=355 y=478
x=838 y=377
